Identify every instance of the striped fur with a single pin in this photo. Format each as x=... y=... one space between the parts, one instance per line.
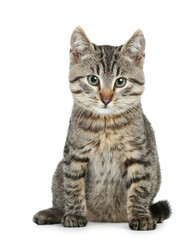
x=110 y=170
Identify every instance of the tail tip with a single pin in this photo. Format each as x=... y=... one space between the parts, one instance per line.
x=161 y=210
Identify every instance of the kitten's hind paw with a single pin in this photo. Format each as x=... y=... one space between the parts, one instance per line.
x=48 y=216
x=142 y=223
x=74 y=221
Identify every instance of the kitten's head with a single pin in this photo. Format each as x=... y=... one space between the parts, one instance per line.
x=106 y=79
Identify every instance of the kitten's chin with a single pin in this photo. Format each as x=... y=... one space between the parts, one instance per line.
x=103 y=110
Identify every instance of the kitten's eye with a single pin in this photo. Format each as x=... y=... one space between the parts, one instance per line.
x=93 y=80
x=120 y=82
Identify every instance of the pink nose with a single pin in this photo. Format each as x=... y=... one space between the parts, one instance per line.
x=106 y=100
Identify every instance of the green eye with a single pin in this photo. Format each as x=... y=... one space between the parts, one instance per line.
x=120 y=82
x=93 y=80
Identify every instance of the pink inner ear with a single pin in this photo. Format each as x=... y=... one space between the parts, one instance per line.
x=138 y=58
x=75 y=55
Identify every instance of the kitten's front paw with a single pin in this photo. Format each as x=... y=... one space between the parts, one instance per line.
x=74 y=221
x=142 y=223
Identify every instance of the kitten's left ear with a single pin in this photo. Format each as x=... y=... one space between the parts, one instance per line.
x=80 y=44
x=134 y=49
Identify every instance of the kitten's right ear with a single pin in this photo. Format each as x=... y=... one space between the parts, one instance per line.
x=80 y=44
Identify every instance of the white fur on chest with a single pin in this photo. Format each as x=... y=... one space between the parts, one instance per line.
x=106 y=184
x=106 y=164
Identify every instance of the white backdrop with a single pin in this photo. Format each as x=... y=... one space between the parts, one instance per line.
x=35 y=103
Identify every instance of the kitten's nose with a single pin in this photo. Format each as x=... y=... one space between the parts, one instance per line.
x=106 y=100
x=106 y=96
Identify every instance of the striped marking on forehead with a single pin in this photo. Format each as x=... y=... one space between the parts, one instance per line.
x=108 y=57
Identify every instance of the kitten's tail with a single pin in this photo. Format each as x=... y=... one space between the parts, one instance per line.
x=160 y=211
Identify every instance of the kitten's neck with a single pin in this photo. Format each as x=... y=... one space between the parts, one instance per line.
x=130 y=114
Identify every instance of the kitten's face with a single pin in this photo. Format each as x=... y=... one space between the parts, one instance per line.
x=106 y=79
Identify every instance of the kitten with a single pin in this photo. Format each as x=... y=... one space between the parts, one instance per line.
x=110 y=170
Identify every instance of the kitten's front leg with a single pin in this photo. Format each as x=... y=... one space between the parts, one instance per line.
x=139 y=187
x=74 y=170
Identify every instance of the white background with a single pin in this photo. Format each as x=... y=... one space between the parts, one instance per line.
x=35 y=104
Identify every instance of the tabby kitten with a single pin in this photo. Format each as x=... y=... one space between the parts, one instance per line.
x=110 y=170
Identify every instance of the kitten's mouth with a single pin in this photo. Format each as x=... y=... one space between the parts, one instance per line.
x=103 y=110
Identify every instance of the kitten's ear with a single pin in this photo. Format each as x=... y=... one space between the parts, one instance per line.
x=134 y=49
x=80 y=44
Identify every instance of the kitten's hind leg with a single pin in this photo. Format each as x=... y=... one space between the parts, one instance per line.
x=48 y=216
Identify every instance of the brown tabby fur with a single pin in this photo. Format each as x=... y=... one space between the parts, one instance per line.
x=110 y=170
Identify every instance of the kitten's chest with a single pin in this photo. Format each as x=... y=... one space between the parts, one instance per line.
x=105 y=185
x=108 y=156
x=111 y=149
x=107 y=159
